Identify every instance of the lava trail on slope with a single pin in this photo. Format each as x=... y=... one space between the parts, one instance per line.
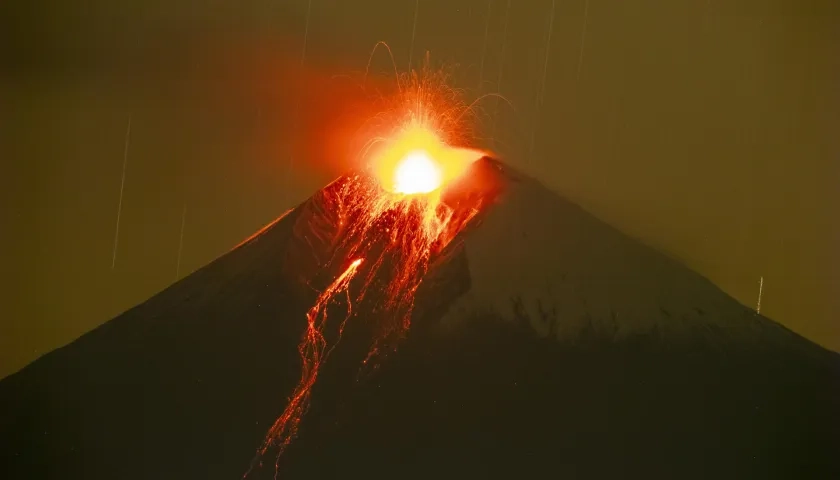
x=375 y=247
x=371 y=236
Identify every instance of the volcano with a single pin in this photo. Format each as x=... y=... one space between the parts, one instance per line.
x=542 y=342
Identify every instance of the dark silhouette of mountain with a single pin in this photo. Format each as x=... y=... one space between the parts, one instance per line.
x=543 y=344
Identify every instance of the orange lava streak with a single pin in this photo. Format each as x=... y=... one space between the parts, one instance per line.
x=393 y=216
x=313 y=353
x=398 y=234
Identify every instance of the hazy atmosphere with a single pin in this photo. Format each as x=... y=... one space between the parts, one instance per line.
x=707 y=129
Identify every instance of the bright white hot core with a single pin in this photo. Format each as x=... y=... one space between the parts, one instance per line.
x=417 y=173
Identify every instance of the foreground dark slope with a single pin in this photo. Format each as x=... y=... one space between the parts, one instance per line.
x=656 y=372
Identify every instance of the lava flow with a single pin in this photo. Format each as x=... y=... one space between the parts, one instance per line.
x=313 y=352
x=391 y=216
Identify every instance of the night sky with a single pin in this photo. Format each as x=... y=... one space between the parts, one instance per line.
x=705 y=128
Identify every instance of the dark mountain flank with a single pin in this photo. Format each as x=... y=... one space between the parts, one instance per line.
x=543 y=344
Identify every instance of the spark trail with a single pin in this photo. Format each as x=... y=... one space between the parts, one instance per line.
x=541 y=97
x=393 y=216
x=582 y=38
x=760 y=292
x=297 y=102
x=541 y=86
x=122 y=188
x=484 y=46
x=501 y=70
x=413 y=34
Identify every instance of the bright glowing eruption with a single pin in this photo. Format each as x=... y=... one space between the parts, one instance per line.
x=417 y=173
x=394 y=218
x=415 y=160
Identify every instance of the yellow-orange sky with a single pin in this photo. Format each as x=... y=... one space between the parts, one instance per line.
x=707 y=129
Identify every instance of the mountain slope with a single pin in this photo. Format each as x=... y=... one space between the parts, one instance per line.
x=564 y=269
x=657 y=372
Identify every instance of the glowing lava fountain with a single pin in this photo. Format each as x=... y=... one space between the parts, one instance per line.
x=392 y=218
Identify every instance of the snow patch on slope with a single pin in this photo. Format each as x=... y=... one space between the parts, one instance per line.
x=539 y=256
